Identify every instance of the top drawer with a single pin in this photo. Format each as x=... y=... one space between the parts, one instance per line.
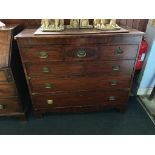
x=50 y=53
x=118 y=52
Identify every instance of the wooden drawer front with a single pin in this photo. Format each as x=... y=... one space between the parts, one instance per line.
x=81 y=53
x=2 y=76
x=7 y=90
x=79 y=99
x=124 y=67
x=41 y=84
x=65 y=69
x=6 y=75
x=9 y=105
x=51 y=53
x=118 y=52
x=5 y=42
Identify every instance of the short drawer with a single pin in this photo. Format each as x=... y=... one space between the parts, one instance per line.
x=67 y=69
x=7 y=90
x=50 y=53
x=118 y=52
x=79 y=99
x=6 y=75
x=2 y=76
x=42 y=84
x=8 y=105
x=82 y=53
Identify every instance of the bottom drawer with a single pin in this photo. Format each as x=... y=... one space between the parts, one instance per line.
x=8 y=89
x=8 y=105
x=79 y=99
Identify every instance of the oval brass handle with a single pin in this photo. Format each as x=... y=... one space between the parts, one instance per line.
x=113 y=82
x=50 y=102
x=43 y=55
x=116 y=68
x=2 y=106
x=45 y=70
x=48 y=85
x=81 y=53
x=112 y=98
x=118 y=51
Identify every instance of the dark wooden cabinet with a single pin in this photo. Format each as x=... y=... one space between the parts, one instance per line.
x=12 y=85
x=78 y=71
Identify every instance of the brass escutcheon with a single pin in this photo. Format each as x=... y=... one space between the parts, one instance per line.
x=81 y=53
x=112 y=98
x=43 y=55
x=45 y=70
x=48 y=85
x=113 y=82
x=50 y=102
x=116 y=68
x=118 y=51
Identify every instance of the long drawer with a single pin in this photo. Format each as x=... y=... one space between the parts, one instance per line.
x=124 y=67
x=8 y=105
x=7 y=89
x=50 y=100
x=42 y=84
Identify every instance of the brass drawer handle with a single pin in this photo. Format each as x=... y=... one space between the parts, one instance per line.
x=48 y=85
x=43 y=55
x=113 y=82
x=81 y=53
x=118 y=51
x=2 y=106
x=49 y=102
x=116 y=68
x=112 y=98
x=45 y=70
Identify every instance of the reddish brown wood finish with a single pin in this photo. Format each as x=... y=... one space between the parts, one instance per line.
x=41 y=84
x=118 y=52
x=80 y=99
x=53 y=53
x=81 y=68
x=90 y=73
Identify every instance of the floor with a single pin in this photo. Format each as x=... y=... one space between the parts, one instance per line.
x=134 y=121
x=149 y=106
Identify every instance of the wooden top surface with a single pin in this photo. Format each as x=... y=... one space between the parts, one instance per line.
x=29 y=33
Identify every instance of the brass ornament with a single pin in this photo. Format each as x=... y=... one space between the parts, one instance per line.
x=105 y=24
x=52 y=25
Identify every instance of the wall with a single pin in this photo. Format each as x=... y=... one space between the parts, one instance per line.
x=147 y=76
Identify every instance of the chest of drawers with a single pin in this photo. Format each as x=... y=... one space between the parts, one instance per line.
x=11 y=75
x=78 y=72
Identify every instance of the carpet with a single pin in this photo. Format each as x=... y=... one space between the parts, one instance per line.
x=134 y=121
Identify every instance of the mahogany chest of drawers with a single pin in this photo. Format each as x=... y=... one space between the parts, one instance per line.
x=11 y=74
x=78 y=71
